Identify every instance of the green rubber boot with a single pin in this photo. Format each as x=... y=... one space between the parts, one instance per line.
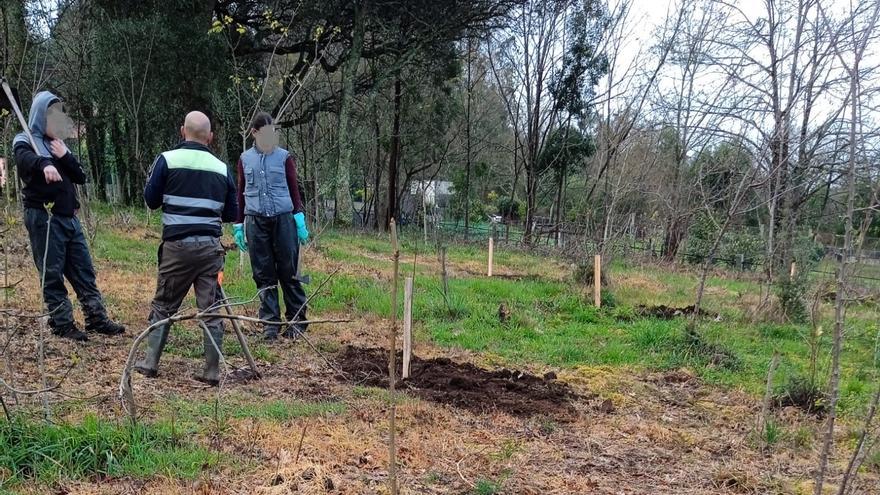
x=149 y=365
x=211 y=374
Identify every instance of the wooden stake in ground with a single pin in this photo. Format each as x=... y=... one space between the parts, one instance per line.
x=407 y=325
x=491 y=252
x=793 y=272
x=445 y=275
x=392 y=364
x=236 y=326
x=597 y=280
x=768 y=395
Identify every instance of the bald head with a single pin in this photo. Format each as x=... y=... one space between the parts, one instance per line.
x=197 y=127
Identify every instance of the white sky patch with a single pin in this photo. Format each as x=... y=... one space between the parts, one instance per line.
x=638 y=55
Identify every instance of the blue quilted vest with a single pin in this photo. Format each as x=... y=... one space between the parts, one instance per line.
x=265 y=183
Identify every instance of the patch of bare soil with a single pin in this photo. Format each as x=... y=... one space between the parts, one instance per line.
x=664 y=312
x=465 y=385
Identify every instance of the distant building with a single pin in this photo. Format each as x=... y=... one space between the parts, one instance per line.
x=436 y=192
x=436 y=195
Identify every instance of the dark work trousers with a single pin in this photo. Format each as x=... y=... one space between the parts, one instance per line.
x=67 y=257
x=274 y=250
x=192 y=262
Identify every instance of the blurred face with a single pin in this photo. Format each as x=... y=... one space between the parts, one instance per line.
x=266 y=138
x=58 y=124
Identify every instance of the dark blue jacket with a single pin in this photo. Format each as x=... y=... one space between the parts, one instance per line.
x=195 y=191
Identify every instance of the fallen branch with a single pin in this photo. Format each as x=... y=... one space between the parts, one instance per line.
x=125 y=392
x=43 y=390
x=12 y=285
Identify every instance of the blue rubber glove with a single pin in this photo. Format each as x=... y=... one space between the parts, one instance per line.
x=238 y=235
x=302 y=233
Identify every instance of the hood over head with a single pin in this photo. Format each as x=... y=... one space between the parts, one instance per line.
x=37 y=122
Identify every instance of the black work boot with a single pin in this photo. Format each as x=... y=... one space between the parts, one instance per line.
x=270 y=334
x=149 y=365
x=70 y=331
x=106 y=327
x=211 y=374
x=295 y=330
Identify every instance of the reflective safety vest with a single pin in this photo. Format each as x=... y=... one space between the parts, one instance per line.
x=194 y=194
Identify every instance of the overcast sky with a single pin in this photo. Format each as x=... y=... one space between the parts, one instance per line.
x=648 y=15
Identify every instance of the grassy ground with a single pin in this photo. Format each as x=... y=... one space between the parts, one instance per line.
x=251 y=431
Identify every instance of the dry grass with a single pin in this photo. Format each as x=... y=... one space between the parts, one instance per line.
x=666 y=435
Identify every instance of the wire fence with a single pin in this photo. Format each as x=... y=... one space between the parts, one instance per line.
x=573 y=243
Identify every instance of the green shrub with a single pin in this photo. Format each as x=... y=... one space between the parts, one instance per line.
x=510 y=209
x=802 y=393
x=744 y=243
x=701 y=236
x=791 y=297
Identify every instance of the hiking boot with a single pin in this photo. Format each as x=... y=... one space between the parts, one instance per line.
x=70 y=331
x=147 y=372
x=106 y=327
x=294 y=330
x=207 y=381
x=270 y=334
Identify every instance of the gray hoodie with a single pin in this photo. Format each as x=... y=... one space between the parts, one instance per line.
x=31 y=164
x=37 y=123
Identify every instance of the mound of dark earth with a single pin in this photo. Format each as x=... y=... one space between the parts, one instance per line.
x=465 y=385
x=664 y=312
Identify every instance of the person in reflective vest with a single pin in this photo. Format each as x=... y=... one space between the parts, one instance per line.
x=197 y=194
x=271 y=227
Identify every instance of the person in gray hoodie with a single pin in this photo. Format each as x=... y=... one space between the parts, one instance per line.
x=49 y=172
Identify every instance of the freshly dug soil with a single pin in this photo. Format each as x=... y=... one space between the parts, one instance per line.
x=664 y=312
x=465 y=385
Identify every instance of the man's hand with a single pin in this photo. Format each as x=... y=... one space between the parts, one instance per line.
x=238 y=235
x=58 y=148
x=51 y=174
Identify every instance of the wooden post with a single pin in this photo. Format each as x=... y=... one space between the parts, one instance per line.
x=392 y=365
x=491 y=252
x=407 y=325
x=793 y=271
x=445 y=275
x=741 y=262
x=597 y=280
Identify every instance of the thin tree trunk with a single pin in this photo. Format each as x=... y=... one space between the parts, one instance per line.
x=342 y=180
x=840 y=299
x=377 y=183
x=467 y=179
x=394 y=159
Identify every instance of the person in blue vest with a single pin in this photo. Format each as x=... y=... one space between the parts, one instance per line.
x=197 y=194
x=49 y=172
x=271 y=227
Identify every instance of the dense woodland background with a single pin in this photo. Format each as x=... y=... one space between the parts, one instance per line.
x=720 y=131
